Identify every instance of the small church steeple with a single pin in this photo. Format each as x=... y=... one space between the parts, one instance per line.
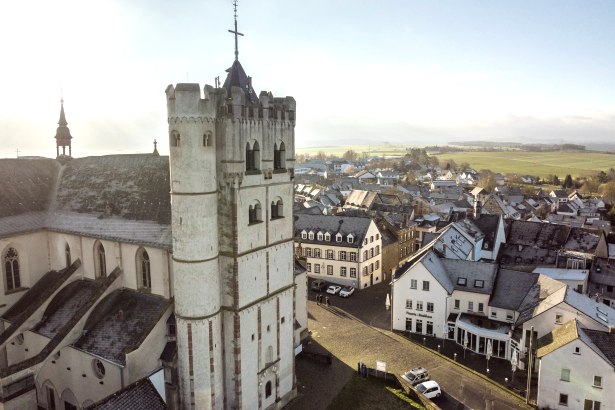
x=63 y=137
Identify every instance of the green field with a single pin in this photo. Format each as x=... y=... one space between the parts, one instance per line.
x=535 y=163
x=338 y=151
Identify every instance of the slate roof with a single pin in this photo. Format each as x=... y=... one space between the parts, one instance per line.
x=141 y=395
x=435 y=266
x=604 y=341
x=120 y=197
x=542 y=295
x=355 y=225
x=65 y=305
x=471 y=271
x=510 y=289
x=169 y=352
x=488 y=225
x=237 y=77
x=111 y=334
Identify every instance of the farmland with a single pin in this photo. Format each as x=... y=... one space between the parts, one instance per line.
x=535 y=163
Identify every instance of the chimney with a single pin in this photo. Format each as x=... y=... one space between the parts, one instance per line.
x=477 y=209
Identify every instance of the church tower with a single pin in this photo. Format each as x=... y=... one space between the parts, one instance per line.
x=232 y=161
x=63 y=137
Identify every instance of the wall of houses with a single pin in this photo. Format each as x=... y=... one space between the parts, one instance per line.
x=572 y=372
x=24 y=346
x=469 y=302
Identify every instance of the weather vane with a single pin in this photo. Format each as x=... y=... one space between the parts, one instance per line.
x=235 y=32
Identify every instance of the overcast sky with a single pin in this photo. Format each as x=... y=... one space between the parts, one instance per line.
x=416 y=72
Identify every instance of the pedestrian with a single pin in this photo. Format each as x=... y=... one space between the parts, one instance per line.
x=318 y=299
x=327 y=300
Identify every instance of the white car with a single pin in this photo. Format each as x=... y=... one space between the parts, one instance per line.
x=346 y=291
x=333 y=289
x=430 y=389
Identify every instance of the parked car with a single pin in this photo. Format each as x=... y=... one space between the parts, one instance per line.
x=318 y=285
x=430 y=389
x=416 y=375
x=346 y=291
x=333 y=289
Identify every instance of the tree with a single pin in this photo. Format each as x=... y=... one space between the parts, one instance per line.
x=568 y=182
x=321 y=155
x=486 y=180
x=552 y=179
x=410 y=176
x=608 y=192
x=350 y=155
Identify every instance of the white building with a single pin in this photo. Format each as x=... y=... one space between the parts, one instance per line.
x=346 y=250
x=576 y=368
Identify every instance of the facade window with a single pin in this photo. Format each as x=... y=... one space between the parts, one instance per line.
x=559 y=318
x=494 y=313
x=353 y=272
x=100 y=262
x=377 y=265
x=419 y=305
x=338 y=237
x=430 y=307
x=353 y=256
x=408 y=303
x=277 y=209
x=597 y=381
x=309 y=267
x=371 y=267
x=308 y=252
x=207 y=140
x=342 y=255
x=252 y=157
x=320 y=236
x=509 y=316
x=317 y=253
x=480 y=307
x=371 y=239
x=316 y=268
x=144 y=277
x=563 y=399
x=329 y=254
x=412 y=283
x=254 y=213
x=268 y=389
x=364 y=270
x=409 y=324
x=279 y=156
x=377 y=249
x=371 y=253
x=577 y=350
x=377 y=236
x=329 y=269
x=470 y=306
x=565 y=375
x=328 y=237
x=419 y=326
x=11 y=269
x=67 y=255
x=457 y=304
x=426 y=285
x=429 y=329
x=365 y=255
x=592 y=405
x=343 y=271
x=99 y=368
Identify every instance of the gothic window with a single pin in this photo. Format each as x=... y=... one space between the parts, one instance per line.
x=144 y=277
x=277 y=209
x=67 y=254
x=268 y=389
x=254 y=213
x=252 y=157
x=174 y=139
x=279 y=156
x=11 y=269
x=100 y=263
x=207 y=139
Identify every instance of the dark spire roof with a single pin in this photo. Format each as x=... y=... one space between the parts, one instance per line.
x=237 y=77
x=63 y=133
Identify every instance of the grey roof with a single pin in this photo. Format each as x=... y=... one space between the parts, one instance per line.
x=510 y=288
x=169 y=352
x=141 y=395
x=120 y=322
x=355 y=225
x=472 y=272
x=542 y=295
x=536 y=233
x=435 y=266
x=604 y=341
x=65 y=305
x=122 y=197
x=601 y=313
x=237 y=77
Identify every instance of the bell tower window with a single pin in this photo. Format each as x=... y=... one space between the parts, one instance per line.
x=252 y=157
x=174 y=140
x=279 y=156
x=100 y=262
x=67 y=255
x=144 y=276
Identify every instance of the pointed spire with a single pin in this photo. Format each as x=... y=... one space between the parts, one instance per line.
x=63 y=137
x=62 y=121
x=156 y=148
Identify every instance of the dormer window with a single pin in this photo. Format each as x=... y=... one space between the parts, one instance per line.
x=303 y=235
x=327 y=237
x=338 y=237
x=462 y=281
x=311 y=236
x=350 y=239
x=320 y=236
x=479 y=283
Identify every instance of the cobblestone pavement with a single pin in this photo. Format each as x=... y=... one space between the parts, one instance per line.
x=353 y=330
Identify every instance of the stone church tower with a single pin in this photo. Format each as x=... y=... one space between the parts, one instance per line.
x=232 y=160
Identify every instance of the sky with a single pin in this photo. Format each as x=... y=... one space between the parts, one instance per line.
x=404 y=72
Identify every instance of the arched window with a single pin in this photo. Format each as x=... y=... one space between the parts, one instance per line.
x=207 y=139
x=100 y=263
x=277 y=209
x=144 y=277
x=67 y=254
x=268 y=389
x=11 y=269
x=174 y=139
x=279 y=156
x=252 y=157
x=254 y=213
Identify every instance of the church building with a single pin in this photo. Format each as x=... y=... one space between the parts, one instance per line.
x=143 y=281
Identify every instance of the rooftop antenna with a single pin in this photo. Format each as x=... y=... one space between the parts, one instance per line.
x=237 y=33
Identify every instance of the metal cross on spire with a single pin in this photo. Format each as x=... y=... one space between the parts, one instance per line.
x=235 y=31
